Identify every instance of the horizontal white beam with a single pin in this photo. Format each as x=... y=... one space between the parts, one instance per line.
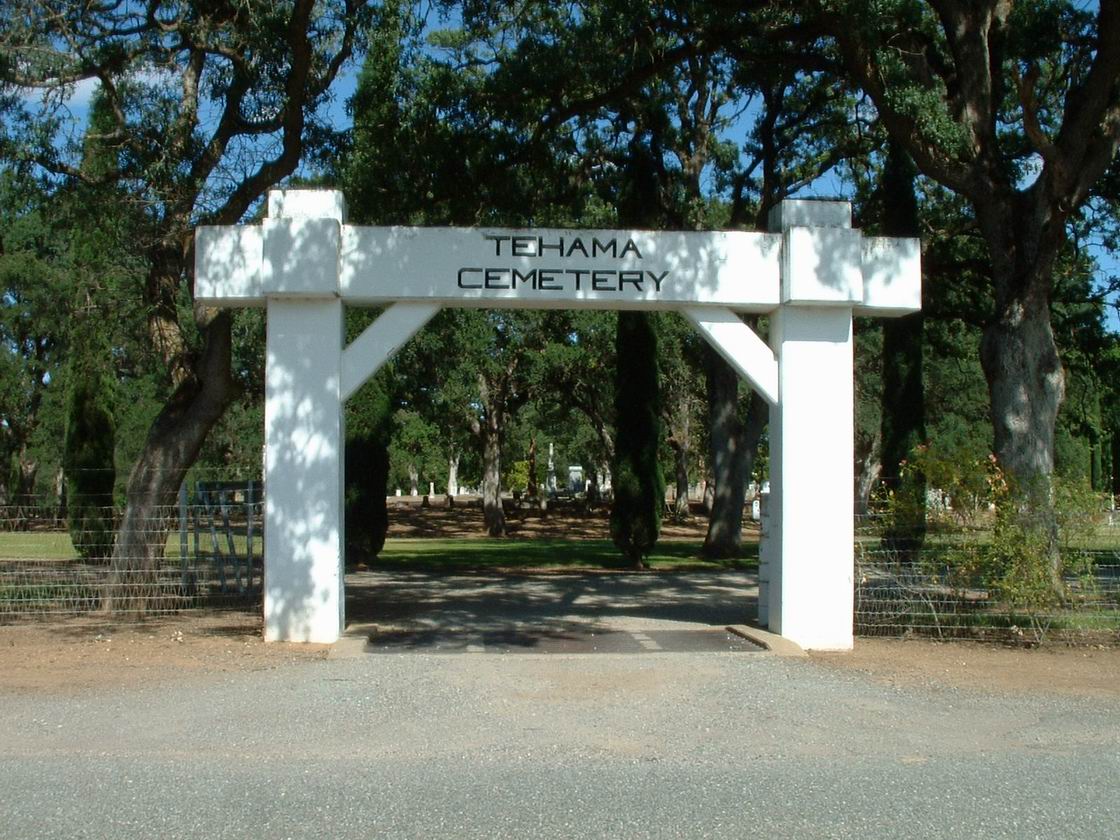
x=227 y=265
x=557 y=268
x=892 y=276
x=609 y=269
x=749 y=355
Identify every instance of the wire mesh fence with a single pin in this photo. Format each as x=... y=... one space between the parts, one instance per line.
x=204 y=551
x=950 y=588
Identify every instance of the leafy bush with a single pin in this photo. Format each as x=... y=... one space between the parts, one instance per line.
x=517 y=477
x=1032 y=560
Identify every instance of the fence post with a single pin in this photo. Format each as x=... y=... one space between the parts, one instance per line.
x=249 y=497
x=183 y=526
x=765 y=550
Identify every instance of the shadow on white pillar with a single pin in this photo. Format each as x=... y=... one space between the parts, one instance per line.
x=811 y=475
x=303 y=574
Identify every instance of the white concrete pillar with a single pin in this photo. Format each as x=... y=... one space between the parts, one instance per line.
x=304 y=434
x=304 y=439
x=812 y=426
x=765 y=550
x=811 y=475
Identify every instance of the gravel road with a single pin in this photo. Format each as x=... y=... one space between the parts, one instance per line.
x=709 y=744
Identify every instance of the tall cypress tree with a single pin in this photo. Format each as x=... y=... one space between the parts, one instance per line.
x=903 y=416
x=639 y=483
x=90 y=438
x=368 y=429
x=89 y=445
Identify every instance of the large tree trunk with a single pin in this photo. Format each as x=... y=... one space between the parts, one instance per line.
x=680 y=441
x=732 y=446
x=531 y=490
x=868 y=468
x=1026 y=384
x=172 y=446
x=492 y=513
x=27 y=471
x=725 y=439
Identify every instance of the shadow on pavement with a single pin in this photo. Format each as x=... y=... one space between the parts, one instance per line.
x=570 y=612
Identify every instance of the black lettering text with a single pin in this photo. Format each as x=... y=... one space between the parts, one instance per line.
x=465 y=285
x=632 y=277
x=609 y=248
x=497 y=240
x=494 y=278
x=577 y=243
x=630 y=247
x=558 y=247
x=601 y=281
x=548 y=280
x=657 y=279
x=525 y=246
x=579 y=274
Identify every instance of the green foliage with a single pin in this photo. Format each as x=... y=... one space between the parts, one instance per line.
x=639 y=485
x=961 y=480
x=517 y=476
x=415 y=452
x=1037 y=549
x=369 y=417
x=89 y=447
x=1028 y=549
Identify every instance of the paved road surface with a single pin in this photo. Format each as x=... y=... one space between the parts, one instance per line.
x=557 y=745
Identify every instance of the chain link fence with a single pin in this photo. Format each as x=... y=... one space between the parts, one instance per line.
x=204 y=552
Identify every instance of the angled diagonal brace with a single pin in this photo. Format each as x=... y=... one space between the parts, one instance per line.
x=751 y=357
x=380 y=340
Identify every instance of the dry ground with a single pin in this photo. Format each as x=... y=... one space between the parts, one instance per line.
x=77 y=655
x=1056 y=669
x=82 y=655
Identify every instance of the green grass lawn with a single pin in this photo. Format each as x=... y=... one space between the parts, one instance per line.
x=425 y=553
x=56 y=545
x=36 y=545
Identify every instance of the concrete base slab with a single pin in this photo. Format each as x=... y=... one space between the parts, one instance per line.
x=767 y=640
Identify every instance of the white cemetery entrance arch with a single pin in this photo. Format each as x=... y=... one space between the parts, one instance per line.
x=303 y=263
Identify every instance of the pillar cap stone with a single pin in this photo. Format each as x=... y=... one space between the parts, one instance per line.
x=307 y=204
x=809 y=212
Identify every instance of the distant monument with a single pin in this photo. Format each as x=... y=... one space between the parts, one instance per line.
x=550 y=485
